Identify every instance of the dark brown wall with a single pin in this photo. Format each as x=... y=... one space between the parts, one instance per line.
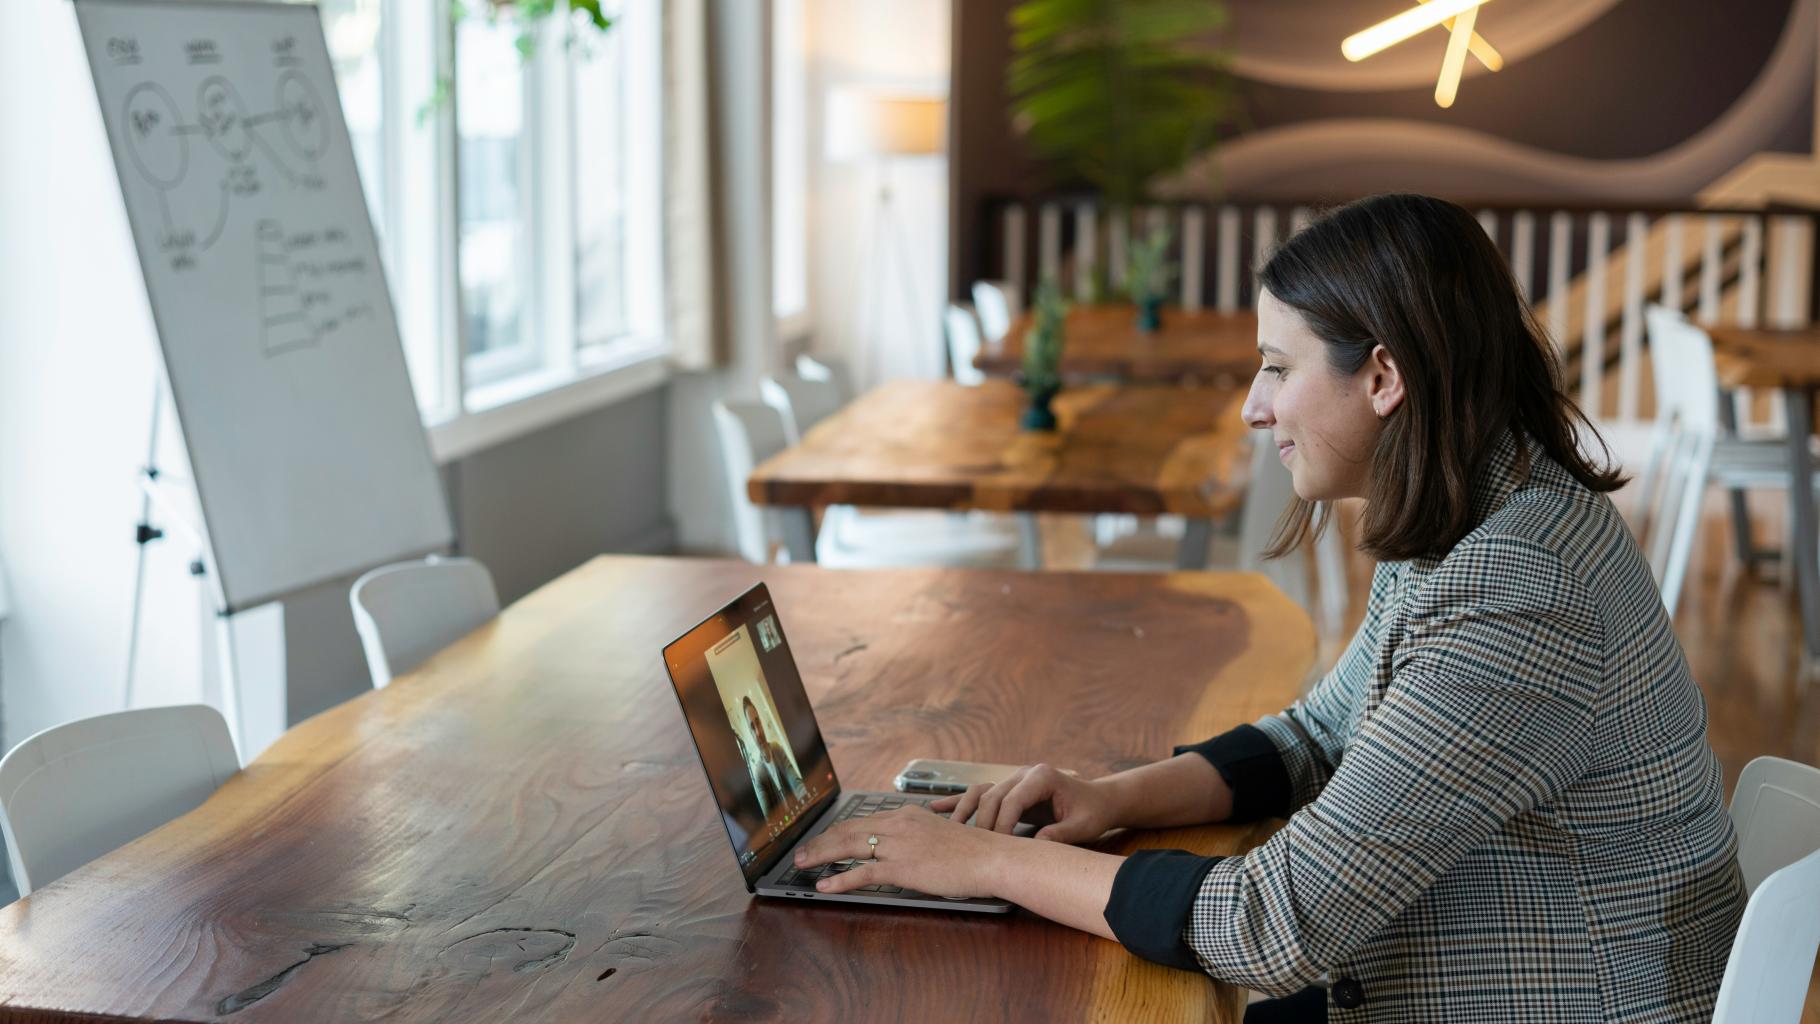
x=1637 y=81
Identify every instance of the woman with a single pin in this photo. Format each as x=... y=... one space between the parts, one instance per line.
x=781 y=786
x=1501 y=800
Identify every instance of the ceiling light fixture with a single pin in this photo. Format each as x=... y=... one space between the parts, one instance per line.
x=1457 y=16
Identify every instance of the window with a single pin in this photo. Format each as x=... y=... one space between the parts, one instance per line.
x=518 y=202
x=789 y=168
x=492 y=205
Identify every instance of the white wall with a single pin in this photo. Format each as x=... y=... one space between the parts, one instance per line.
x=77 y=365
x=888 y=44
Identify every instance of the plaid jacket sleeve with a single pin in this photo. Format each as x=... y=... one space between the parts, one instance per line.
x=1488 y=711
x=1281 y=763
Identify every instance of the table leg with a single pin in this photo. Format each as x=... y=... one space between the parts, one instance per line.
x=1197 y=534
x=798 y=525
x=1804 y=545
x=1747 y=555
x=1029 y=542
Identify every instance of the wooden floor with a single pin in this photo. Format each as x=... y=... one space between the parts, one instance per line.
x=1741 y=634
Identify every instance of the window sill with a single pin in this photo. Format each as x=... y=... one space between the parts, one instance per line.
x=530 y=402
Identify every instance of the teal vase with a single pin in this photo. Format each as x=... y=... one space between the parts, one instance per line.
x=1039 y=416
x=1150 y=315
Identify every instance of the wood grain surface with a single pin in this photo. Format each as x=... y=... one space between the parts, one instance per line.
x=520 y=830
x=1766 y=357
x=938 y=444
x=1104 y=341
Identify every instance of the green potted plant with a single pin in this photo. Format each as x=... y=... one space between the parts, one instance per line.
x=1041 y=377
x=1119 y=92
x=1148 y=275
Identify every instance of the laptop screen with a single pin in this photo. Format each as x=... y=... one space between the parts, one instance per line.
x=744 y=702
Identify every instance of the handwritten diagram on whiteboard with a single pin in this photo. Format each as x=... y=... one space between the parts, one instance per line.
x=263 y=272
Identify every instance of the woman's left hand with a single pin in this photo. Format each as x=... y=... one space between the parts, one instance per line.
x=916 y=850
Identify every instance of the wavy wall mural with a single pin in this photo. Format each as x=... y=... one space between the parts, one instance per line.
x=1632 y=101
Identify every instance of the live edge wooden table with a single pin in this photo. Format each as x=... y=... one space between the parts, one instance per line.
x=1789 y=360
x=520 y=830
x=1146 y=450
x=1191 y=346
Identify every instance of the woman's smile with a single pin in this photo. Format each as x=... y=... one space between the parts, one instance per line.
x=1285 y=449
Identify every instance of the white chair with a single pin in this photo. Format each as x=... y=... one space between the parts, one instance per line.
x=1687 y=452
x=1269 y=492
x=76 y=791
x=803 y=401
x=751 y=432
x=998 y=305
x=824 y=368
x=963 y=344
x=410 y=610
x=1776 y=812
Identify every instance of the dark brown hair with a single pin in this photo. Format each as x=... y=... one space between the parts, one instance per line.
x=1419 y=276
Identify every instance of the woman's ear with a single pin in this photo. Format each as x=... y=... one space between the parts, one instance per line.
x=1385 y=385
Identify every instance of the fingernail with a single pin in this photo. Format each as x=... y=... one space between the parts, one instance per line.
x=801 y=856
x=824 y=884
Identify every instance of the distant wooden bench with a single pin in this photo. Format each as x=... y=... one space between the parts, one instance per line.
x=1192 y=346
x=1146 y=450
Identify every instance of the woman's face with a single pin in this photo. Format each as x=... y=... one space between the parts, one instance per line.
x=1324 y=424
x=757 y=727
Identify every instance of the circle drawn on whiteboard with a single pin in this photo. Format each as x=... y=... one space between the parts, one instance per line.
x=159 y=151
x=223 y=117
x=300 y=111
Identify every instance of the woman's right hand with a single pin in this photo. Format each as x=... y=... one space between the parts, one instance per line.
x=1078 y=810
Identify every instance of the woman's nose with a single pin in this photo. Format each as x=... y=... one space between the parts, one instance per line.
x=1257 y=406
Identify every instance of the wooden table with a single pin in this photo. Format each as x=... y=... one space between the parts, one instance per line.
x=1104 y=341
x=520 y=830
x=938 y=444
x=1789 y=360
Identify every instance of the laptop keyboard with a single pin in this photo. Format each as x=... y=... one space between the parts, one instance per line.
x=859 y=805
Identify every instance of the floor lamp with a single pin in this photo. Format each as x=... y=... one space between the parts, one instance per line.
x=882 y=128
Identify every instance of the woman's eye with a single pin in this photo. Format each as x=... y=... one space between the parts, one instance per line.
x=1276 y=371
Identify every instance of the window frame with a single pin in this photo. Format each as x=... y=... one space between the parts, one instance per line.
x=469 y=403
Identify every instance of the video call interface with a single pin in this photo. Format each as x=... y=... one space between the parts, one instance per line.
x=752 y=725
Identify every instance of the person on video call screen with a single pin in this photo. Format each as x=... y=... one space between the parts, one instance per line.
x=776 y=780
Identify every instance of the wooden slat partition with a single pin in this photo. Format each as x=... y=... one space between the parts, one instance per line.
x=1588 y=277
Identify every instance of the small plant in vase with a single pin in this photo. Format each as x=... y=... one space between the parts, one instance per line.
x=1041 y=377
x=1148 y=275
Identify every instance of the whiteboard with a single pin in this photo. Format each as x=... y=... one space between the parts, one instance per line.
x=280 y=344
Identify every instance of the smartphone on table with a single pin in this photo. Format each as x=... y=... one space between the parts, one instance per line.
x=923 y=775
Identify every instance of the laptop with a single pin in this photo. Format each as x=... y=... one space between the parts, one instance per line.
x=765 y=759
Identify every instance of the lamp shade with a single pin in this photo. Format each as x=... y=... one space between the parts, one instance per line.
x=863 y=123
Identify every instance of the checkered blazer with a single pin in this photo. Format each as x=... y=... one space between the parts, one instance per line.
x=1502 y=805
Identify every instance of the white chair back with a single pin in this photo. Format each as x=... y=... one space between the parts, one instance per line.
x=750 y=433
x=74 y=792
x=1270 y=491
x=963 y=344
x=1776 y=813
x=408 y=611
x=1673 y=482
x=998 y=305
x=802 y=402
x=1776 y=810
x=824 y=368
